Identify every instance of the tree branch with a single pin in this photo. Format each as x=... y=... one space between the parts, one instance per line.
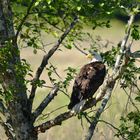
x=45 y=102
x=131 y=100
x=99 y=112
x=123 y=44
x=6 y=23
x=79 y=49
x=108 y=87
x=45 y=61
x=62 y=117
x=46 y=115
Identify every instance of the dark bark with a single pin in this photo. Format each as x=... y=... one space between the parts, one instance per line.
x=17 y=105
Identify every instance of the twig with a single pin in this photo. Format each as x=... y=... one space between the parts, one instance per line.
x=79 y=49
x=129 y=98
x=54 y=69
x=51 y=23
x=45 y=102
x=109 y=124
x=114 y=127
x=24 y=19
x=44 y=116
x=135 y=54
x=48 y=44
x=45 y=61
x=59 y=90
x=136 y=86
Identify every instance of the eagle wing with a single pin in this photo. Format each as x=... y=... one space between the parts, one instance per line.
x=87 y=82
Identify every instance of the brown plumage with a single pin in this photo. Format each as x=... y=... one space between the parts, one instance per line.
x=87 y=82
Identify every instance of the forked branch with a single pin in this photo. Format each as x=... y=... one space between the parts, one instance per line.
x=62 y=117
x=45 y=61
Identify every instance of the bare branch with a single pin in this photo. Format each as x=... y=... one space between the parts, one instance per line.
x=45 y=61
x=114 y=127
x=131 y=100
x=59 y=90
x=45 y=102
x=135 y=54
x=45 y=116
x=62 y=117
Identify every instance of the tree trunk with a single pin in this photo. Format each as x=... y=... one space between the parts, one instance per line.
x=12 y=80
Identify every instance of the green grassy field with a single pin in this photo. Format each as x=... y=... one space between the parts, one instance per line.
x=72 y=129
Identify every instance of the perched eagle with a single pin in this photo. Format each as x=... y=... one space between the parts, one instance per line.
x=89 y=79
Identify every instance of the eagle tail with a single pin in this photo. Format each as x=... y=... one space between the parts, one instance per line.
x=78 y=107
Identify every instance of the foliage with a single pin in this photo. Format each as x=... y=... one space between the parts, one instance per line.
x=130 y=125
x=135 y=32
x=33 y=17
x=109 y=56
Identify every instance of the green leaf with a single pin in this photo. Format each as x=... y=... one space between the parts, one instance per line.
x=48 y=1
x=135 y=32
x=37 y=3
x=78 y=8
x=68 y=46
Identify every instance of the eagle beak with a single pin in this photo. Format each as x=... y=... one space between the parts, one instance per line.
x=90 y=56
